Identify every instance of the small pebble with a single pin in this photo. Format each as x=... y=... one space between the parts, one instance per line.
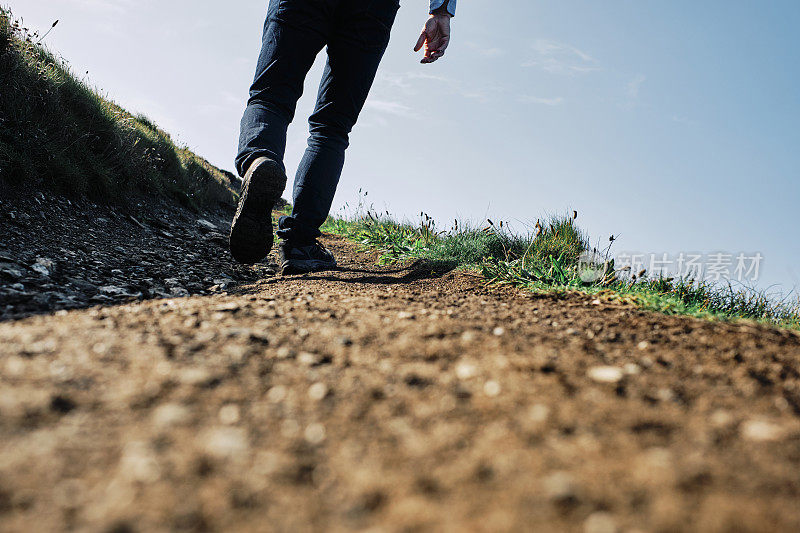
x=43 y=266
x=194 y=376
x=632 y=369
x=171 y=414
x=762 y=431
x=100 y=348
x=225 y=442
x=15 y=366
x=643 y=345
x=559 y=486
x=721 y=418
x=284 y=352
x=237 y=353
x=665 y=395
x=315 y=433
x=605 y=374
x=600 y=522
x=41 y=347
x=539 y=413
x=491 y=389
x=228 y=306
x=277 y=394
x=307 y=358
x=498 y=332
x=229 y=414
x=465 y=370
x=138 y=462
x=317 y=391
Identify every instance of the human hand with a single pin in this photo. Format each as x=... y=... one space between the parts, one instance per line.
x=435 y=37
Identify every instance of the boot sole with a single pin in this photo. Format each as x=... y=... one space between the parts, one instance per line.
x=251 y=230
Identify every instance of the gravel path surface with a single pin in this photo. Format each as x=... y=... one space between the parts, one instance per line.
x=204 y=396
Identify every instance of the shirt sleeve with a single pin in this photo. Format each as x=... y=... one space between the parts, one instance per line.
x=450 y=5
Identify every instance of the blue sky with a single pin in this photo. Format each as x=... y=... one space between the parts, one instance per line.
x=672 y=124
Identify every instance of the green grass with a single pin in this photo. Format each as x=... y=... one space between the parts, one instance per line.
x=460 y=246
x=58 y=132
x=548 y=259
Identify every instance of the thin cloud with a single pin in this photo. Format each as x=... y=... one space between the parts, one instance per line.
x=485 y=51
x=414 y=83
x=683 y=120
x=391 y=108
x=635 y=85
x=405 y=80
x=491 y=52
x=530 y=99
x=559 y=58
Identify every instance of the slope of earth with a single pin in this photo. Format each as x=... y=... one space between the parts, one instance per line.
x=60 y=254
x=389 y=399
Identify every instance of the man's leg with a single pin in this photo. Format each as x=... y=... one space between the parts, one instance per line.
x=356 y=46
x=294 y=33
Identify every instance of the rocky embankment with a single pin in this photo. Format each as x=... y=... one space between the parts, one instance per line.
x=61 y=254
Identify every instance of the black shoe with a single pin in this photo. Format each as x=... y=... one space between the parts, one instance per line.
x=251 y=229
x=299 y=259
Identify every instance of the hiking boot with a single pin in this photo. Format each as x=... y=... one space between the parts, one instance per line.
x=251 y=229
x=299 y=259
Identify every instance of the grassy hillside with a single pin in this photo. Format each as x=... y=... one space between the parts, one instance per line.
x=57 y=132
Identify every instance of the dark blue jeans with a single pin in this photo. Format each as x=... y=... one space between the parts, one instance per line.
x=356 y=33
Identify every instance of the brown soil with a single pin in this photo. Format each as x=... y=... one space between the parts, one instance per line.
x=388 y=399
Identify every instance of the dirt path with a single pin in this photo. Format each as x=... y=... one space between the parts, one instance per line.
x=389 y=399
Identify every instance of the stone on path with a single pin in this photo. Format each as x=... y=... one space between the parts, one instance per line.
x=757 y=430
x=605 y=374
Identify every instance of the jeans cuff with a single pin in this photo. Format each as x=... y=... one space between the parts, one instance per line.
x=290 y=229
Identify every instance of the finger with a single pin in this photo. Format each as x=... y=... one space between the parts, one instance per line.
x=434 y=51
x=422 y=38
x=439 y=44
